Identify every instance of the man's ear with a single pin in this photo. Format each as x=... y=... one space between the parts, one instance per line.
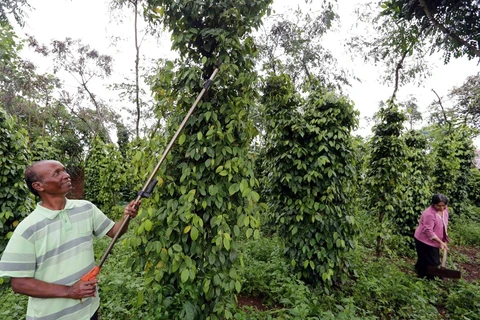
x=37 y=185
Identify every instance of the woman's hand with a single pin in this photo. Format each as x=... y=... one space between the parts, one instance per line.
x=443 y=246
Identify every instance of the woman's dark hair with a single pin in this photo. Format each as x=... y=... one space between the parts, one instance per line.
x=437 y=198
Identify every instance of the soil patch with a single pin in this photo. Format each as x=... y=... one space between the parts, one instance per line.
x=251 y=301
x=471 y=267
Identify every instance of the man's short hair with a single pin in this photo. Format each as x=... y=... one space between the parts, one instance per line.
x=32 y=176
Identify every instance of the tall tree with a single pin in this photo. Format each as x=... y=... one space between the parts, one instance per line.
x=466 y=101
x=22 y=88
x=452 y=26
x=411 y=109
x=31 y=98
x=397 y=46
x=293 y=44
x=15 y=8
x=84 y=65
x=134 y=91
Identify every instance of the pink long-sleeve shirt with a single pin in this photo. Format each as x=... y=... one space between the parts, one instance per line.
x=431 y=226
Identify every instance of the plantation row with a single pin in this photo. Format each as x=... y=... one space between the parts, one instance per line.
x=265 y=194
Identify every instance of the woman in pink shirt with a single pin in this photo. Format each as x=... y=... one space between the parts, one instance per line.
x=431 y=235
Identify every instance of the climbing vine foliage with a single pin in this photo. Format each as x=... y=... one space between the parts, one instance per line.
x=188 y=238
x=454 y=158
x=307 y=172
x=386 y=173
x=15 y=202
x=104 y=175
x=417 y=190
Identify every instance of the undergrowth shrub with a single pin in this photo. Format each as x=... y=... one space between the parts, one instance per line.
x=121 y=289
x=394 y=245
x=386 y=292
x=464 y=302
x=267 y=274
x=472 y=213
x=367 y=223
x=466 y=231
x=13 y=306
x=264 y=268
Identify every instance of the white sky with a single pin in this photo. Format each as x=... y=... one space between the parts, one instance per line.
x=90 y=21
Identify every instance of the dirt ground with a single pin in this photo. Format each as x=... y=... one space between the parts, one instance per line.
x=256 y=302
x=469 y=263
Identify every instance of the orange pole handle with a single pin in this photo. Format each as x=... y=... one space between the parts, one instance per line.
x=92 y=274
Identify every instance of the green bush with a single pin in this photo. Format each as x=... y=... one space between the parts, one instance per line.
x=386 y=292
x=308 y=173
x=265 y=271
x=268 y=274
x=464 y=302
x=474 y=187
x=13 y=306
x=15 y=199
x=464 y=231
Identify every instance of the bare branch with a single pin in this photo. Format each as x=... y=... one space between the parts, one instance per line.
x=443 y=110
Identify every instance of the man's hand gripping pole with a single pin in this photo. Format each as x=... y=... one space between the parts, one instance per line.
x=151 y=182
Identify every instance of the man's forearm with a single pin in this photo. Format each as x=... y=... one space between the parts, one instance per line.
x=38 y=289
x=41 y=289
x=131 y=212
x=117 y=226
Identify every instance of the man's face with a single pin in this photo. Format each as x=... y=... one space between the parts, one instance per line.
x=54 y=177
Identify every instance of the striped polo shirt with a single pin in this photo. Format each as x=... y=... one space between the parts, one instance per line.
x=56 y=246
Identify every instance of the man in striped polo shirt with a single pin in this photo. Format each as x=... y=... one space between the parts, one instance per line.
x=52 y=248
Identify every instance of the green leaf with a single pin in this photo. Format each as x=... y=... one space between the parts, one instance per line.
x=243 y=185
x=182 y=139
x=194 y=233
x=233 y=188
x=236 y=230
x=185 y=275
x=226 y=243
x=255 y=196
x=213 y=190
x=223 y=173
x=140 y=298
x=238 y=286
x=148 y=225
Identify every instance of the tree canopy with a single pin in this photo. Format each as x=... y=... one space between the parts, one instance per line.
x=452 y=26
